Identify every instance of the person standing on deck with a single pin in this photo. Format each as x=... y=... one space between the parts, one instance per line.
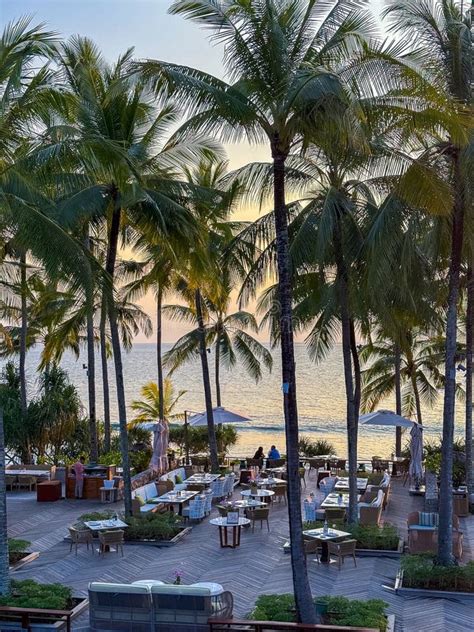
x=79 y=474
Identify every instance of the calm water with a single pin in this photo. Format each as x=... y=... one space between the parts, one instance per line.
x=320 y=398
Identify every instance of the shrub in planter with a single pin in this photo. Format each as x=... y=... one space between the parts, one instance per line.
x=29 y=594
x=17 y=549
x=310 y=448
x=420 y=571
x=335 y=610
x=153 y=526
x=93 y=516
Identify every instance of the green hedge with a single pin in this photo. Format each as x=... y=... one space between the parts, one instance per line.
x=29 y=594
x=153 y=526
x=17 y=549
x=334 y=611
x=420 y=571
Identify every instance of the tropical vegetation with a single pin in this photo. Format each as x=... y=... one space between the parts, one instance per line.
x=365 y=235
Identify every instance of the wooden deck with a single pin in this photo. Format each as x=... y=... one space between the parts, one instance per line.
x=259 y=566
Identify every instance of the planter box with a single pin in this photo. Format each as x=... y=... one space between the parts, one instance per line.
x=429 y=592
x=382 y=552
x=162 y=543
x=58 y=626
x=29 y=557
x=369 y=552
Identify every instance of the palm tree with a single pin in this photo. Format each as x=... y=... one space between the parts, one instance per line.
x=276 y=55
x=149 y=408
x=226 y=334
x=443 y=36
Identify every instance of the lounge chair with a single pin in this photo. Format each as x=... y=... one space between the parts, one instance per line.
x=121 y=607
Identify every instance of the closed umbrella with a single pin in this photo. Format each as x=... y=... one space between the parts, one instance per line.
x=416 y=452
x=159 y=458
x=221 y=416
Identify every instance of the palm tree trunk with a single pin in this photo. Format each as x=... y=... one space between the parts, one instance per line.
x=305 y=610
x=211 y=430
x=105 y=373
x=416 y=393
x=469 y=352
x=398 y=398
x=4 y=565
x=217 y=369
x=159 y=354
x=26 y=456
x=117 y=351
x=343 y=290
x=94 y=452
x=357 y=396
x=445 y=531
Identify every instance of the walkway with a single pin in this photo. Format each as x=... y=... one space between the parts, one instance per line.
x=258 y=566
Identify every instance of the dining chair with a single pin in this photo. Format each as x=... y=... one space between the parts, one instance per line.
x=343 y=549
x=312 y=546
x=335 y=513
x=111 y=538
x=258 y=514
x=280 y=492
x=81 y=536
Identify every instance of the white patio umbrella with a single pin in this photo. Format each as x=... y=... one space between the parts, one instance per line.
x=386 y=418
x=416 y=453
x=221 y=416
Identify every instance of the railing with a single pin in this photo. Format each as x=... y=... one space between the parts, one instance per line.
x=236 y=625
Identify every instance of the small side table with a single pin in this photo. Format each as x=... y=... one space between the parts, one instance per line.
x=108 y=494
x=223 y=531
x=49 y=491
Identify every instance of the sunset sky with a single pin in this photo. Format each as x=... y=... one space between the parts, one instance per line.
x=116 y=25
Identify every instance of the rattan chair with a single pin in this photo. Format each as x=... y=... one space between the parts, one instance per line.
x=258 y=514
x=195 y=487
x=10 y=481
x=26 y=481
x=316 y=464
x=280 y=492
x=312 y=547
x=81 y=536
x=342 y=550
x=111 y=538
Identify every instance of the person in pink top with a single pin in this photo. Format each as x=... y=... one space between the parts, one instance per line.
x=79 y=473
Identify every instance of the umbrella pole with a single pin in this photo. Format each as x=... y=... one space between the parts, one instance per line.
x=186 y=438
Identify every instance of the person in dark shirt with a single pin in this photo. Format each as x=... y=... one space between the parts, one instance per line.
x=259 y=454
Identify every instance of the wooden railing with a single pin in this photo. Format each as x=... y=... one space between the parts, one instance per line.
x=236 y=625
x=27 y=614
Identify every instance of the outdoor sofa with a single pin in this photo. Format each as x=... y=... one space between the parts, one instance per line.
x=152 y=606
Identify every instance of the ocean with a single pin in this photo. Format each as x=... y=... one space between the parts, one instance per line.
x=320 y=391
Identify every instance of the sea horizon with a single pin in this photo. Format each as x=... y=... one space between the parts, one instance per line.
x=320 y=392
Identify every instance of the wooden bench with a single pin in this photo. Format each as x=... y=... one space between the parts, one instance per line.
x=25 y=614
x=222 y=625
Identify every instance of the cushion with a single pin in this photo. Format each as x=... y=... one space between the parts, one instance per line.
x=427 y=519
x=141 y=500
x=173 y=589
x=177 y=479
x=150 y=491
x=140 y=491
x=118 y=588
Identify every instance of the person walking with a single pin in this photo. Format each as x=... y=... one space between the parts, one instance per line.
x=79 y=474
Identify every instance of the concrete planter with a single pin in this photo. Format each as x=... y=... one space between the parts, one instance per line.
x=422 y=592
x=162 y=543
x=58 y=626
x=29 y=557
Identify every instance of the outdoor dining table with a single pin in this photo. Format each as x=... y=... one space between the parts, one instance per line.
x=342 y=484
x=176 y=498
x=112 y=524
x=276 y=470
x=332 y=534
x=259 y=493
x=202 y=479
x=249 y=503
x=236 y=527
x=269 y=482
x=336 y=500
x=37 y=473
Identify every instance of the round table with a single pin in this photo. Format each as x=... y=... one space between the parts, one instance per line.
x=260 y=494
x=223 y=531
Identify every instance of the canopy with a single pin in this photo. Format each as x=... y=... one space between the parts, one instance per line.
x=386 y=418
x=159 y=458
x=416 y=452
x=221 y=416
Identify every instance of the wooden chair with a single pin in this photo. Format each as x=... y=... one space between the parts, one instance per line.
x=254 y=463
x=316 y=464
x=280 y=492
x=312 y=547
x=81 y=536
x=24 y=480
x=335 y=513
x=111 y=538
x=342 y=550
x=258 y=513
x=10 y=481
